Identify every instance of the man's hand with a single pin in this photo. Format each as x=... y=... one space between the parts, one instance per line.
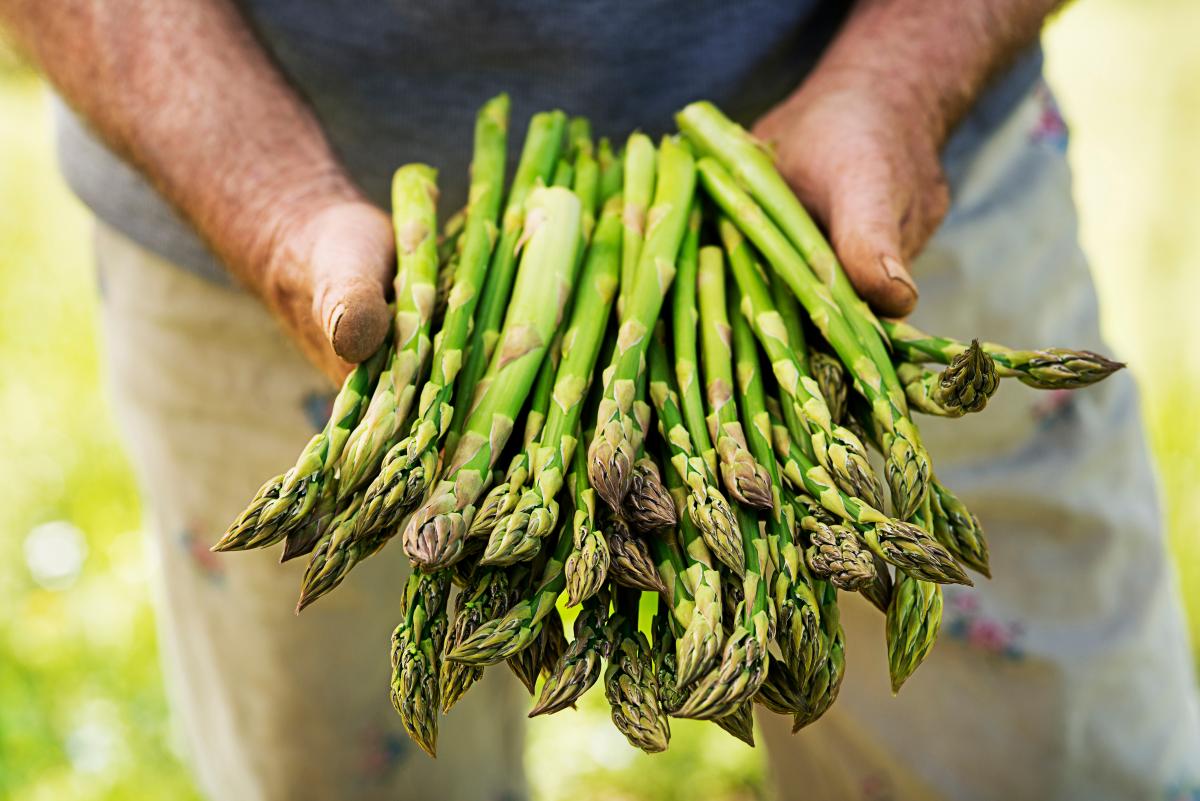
x=859 y=140
x=183 y=90
x=863 y=163
x=325 y=280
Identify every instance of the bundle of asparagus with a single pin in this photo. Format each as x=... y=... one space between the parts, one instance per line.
x=696 y=386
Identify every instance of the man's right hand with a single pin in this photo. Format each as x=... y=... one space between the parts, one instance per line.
x=184 y=91
x=325 y=280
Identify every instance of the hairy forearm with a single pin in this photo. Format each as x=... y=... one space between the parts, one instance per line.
x=936 y=56
x=182 y=89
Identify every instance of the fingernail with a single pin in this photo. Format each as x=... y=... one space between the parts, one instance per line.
x=335 y=317
x=895 y=271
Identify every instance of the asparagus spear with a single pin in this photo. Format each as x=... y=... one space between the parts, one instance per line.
x=630 y=563
x=500 y=501
x=579 y=667
x=822 y=688
x=830 y=376
x=250 y=530
x=586 y=567
x=663 y=643
x=681 y=418
x=879 y=590
x=648 y=506
x=536 y=511
x=906 y=462
x=564 y=173
x=781 y=691
x=414 y=690
x=538 y=158
x=725 y=141
x=498 y=639
x=434 y=534
x=836 y=449
x=744 y=661
x=542 y=655
x=639 y=178
x=613 y=449
x=631 y=683
x=1048 y=368
x=740 y=723
x=835 y=552
x=330 y=561
x=902 y=544
x=745 y=479
x=414 y=203
x=963 y=387
x=612 y=171
x=913 y=618
x=957 y=529
x=489 y=595
x=796 y=610
x=410 y=466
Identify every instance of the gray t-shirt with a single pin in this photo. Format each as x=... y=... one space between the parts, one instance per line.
x=394 y=81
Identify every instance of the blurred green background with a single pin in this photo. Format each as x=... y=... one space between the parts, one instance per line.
x=82 y=715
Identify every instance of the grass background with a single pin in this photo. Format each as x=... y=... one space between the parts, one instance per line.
x=82 y=716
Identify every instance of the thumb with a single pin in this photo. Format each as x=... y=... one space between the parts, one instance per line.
x=351 y=265
x=865 y=228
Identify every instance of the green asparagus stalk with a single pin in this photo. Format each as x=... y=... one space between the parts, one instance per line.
x=964 y=386
x=695 y=593
x=879 y=590
x=721 y=138
x=414 y=203
x=564 y=173
x=744 y=478
x=539 y=155
x=796 y=610
x=906 y=462
x=314 y=466
x=744 y=661
x=415 y=692
x=498 y=639
x=579 y=667
x=957 y=529
x=902 y=544
x=434 y=534
x=663 y=643
x=330 y=560
x=488 y=596
x=586 y=567
x=630 y=563
x=835 y=552
x=913 y=618
x=781 y=691
x=1048 y=368
x=648 y=506
x=684 y=426
x=500 y=501
x=823 y=687
x=536 y=511
x=631 y=682
x=830 y=376
x=612 y=171
x=586 y=183
x=548 y=648
x=639 y=179
x=409 y=468
x=614 y=447
x=836 y=449
x=740 y=723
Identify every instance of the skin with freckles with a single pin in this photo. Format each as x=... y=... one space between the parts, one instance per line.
x=184 y=92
